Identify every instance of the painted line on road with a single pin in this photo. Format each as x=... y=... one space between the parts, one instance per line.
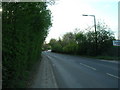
x=88 y=66
x=113 y=75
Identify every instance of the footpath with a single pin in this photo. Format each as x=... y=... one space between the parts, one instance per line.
x=0 y=71
x=45 y=77
x=0 y=75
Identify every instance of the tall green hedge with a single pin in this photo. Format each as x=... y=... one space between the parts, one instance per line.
x=24 y=29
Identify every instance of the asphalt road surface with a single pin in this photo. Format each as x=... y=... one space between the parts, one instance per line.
x=80 y=72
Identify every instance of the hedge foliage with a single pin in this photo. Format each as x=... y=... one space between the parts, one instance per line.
x=24 y=29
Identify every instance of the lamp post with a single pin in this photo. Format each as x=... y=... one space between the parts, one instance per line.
x=95 y=31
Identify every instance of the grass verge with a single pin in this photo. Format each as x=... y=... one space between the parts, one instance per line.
x=104 y=57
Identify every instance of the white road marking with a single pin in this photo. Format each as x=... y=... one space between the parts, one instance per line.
x=113 y=75
x=87 y=66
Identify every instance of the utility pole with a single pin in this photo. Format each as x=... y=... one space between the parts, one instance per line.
x=95 y=31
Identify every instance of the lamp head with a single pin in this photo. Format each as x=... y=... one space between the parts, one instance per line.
x=84 y=15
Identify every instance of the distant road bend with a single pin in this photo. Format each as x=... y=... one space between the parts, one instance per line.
x=79 y=72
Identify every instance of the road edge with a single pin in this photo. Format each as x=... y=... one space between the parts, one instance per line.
x=52 y=72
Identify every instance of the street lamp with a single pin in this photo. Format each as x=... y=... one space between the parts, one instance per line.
x=95 y=30
x=94 y=20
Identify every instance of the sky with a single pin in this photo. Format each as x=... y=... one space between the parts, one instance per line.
x=67 y=15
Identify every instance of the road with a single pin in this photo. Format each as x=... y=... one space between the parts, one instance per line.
x=80 y=72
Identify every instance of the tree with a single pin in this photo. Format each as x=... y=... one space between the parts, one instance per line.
x=46 y=46
x=70 y=48
x=52 y=42
x=55 y=45
x=24 y=29
x=68 y=38
x=81 y=41
x=104 y=39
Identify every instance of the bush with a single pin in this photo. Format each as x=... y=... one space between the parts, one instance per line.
x=70 y=48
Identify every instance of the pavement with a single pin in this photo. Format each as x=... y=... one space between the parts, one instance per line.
x=44 y=77
x=79 y=72
x=0 y=76
x=0 y=71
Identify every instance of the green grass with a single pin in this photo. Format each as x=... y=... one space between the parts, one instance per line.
x=108 y=57
x=103 y=57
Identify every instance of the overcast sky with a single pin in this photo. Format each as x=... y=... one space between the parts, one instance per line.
x=67 y=15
